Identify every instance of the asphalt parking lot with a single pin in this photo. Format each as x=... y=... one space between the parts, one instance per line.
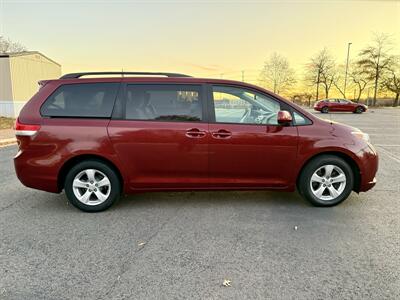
x=183 y=245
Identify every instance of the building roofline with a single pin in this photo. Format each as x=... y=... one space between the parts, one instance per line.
x=16 y=54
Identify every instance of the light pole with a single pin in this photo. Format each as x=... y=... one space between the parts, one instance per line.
x=347 y=67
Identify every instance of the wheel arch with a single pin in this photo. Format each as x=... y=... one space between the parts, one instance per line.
x=80 y=158
x=347 y=158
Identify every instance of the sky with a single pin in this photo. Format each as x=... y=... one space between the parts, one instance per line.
x=200 y=38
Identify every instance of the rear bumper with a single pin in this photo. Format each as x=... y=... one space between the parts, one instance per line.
x=34 y=175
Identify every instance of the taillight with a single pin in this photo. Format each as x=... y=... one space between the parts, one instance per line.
x=25 y=129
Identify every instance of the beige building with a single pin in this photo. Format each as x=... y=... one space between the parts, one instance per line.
x=19 y=76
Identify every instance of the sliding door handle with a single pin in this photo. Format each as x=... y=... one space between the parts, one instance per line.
x=221 y=134
x=195 y=133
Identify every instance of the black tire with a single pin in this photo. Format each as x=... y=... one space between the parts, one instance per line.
x=304 y=181
x=359 y=110
x=325 y=110
x=115 y=185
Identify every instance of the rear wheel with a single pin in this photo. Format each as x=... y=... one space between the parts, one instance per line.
x=326 y=180
x=325 y=110
x=92 y=186
x=359 y=110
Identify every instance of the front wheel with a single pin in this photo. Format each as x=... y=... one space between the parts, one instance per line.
x=359 y=110
x=325 y=110
x=92 y=186
x=326 y=181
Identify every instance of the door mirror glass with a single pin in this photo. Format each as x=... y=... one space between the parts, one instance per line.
x=284 y=117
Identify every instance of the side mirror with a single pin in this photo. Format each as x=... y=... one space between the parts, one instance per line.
x=284 y=117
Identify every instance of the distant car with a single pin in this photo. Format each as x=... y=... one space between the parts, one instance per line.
x=329 y=105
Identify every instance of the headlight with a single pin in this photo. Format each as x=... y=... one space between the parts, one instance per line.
x=361 y=135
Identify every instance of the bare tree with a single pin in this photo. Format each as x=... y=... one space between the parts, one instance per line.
x=360 y=79
x=277 y=74
x=321 y=71
x=8 y=46
x=374 y=59
x=338 y=83
x=391 y=82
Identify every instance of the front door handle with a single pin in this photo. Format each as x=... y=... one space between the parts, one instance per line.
x=195 y=133
x=221 y=134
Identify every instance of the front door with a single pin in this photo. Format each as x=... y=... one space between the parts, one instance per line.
x=345 y=105
x=248 y=149
x=161 y=137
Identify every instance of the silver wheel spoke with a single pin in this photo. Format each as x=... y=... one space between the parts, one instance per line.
x=90 y=174
x=334 y=193
x=316 y=178
x=85 y=197
x=328 y=170
x=103 y=182
x=320 y=191
x=79 y=183
x=100 y=195
x=339 y=178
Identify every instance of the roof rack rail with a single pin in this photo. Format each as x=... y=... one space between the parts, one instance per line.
x=78 y=75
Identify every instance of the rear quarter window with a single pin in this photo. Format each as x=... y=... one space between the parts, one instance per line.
x=91 y=100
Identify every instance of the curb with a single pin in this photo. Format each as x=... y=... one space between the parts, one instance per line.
x=8 y=142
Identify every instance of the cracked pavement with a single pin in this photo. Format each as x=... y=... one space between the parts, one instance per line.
x=195 y=240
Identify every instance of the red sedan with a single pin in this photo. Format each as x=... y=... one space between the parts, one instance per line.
x=329 y=105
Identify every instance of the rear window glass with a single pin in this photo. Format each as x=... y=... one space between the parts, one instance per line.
x=92 y=100
x=163 y=103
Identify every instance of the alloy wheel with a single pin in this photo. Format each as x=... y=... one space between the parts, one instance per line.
x=91 y=187
x=328 y=182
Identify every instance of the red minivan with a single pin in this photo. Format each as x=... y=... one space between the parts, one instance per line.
x=97 y=138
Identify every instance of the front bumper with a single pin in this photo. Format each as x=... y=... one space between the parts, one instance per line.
x=369 y=185
x=369 y=162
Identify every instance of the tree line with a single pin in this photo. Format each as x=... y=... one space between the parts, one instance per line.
x=375 y=66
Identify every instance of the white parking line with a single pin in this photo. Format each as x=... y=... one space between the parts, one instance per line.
x=390 y=155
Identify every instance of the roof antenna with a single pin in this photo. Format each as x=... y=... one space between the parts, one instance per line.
x=122 y=70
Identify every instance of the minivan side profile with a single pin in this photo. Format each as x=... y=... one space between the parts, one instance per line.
x=97 y=138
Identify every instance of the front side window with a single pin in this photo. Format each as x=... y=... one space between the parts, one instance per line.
x=343 y=101
x=163 y=102
x=92 y=100
x=300 y=120
x=237 y=105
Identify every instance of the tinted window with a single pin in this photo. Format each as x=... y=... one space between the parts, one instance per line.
x=163 y=102
x=237 y=105
x=81 y=100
